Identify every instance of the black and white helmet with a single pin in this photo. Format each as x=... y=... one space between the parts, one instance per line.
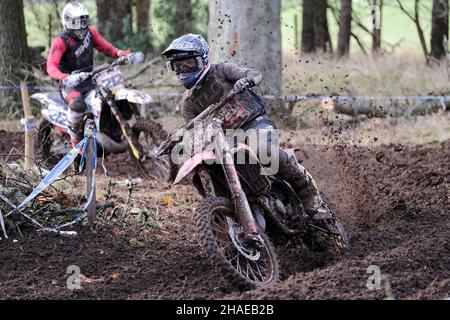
x=187 y=56
x=75 y=19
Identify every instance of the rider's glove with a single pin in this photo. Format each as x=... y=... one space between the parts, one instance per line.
x=123 y=53
x=241 y=84
x=74 y=80
x=254 y=78
x=250 y=81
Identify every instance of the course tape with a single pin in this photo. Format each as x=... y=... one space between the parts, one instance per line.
x=53 y=175
x=2 y=225
x=28 y=125
x=287 y=98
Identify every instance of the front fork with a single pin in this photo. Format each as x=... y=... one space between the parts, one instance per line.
x=136 y=148
x=240 y=200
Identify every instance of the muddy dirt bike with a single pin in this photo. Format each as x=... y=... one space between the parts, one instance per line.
x=115 y=110
x=242 y=209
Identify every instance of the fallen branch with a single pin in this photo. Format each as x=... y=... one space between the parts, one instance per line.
x=381 y=108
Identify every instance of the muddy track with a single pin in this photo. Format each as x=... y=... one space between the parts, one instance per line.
x=393 y=200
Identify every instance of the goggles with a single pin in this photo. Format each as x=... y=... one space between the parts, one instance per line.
x=186 y=65
x=78 y=23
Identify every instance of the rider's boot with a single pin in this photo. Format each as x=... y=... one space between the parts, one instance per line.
x=76 y=132
x=304 y=185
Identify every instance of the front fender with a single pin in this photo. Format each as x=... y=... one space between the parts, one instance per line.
x=133 y=96
x=192 y=163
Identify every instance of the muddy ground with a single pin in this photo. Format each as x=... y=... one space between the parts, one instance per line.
x=394 y=200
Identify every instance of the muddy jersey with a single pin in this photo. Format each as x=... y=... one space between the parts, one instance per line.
x=220 y=80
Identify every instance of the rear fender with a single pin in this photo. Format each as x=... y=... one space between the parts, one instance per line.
x=290 y=150
x=192 y=163
x=54 y=109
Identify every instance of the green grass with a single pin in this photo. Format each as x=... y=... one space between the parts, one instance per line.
x=396 y=26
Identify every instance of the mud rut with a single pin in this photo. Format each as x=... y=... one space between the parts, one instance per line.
x=393 y=199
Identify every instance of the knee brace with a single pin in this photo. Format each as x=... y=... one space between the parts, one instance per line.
x=77 y=105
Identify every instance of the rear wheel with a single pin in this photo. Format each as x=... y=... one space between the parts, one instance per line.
x=150 y=135
x=329 y=233
x=50 y=146
x=221 y=234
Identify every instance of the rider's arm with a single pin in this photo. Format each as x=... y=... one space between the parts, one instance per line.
x=54 y=58
x=234 y=73
x=188 y=109
x=102 y=45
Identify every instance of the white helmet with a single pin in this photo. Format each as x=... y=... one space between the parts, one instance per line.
x=75 y=19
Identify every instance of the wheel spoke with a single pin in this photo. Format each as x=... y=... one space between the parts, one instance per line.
x=259 y=271
x=219 y=231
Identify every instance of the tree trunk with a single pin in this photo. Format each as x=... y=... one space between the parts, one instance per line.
x=14 y=57
x=232 y=27
x=114 y=18
x=143 y=15
x=315 y=33
x=381 y=109
x=376 y=30
x=308 y=30
x=142 y=39
x=183 y=17
x=345 y=28
x=439 y=28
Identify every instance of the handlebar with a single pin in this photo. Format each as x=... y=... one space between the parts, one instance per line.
x=77 y=78
x=170 y=142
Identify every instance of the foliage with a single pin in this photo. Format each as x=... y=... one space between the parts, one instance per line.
x=165 y=19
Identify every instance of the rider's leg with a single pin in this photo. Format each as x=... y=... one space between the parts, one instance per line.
x=301 y=181
x=288 y=168
x=77 y=109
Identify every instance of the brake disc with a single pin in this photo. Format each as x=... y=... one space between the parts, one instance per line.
x=234 y=230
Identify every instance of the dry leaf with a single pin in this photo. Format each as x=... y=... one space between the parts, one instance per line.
x=166 y=201
x=85 y=279
x=116 y=276
x=116 y=231
x=136 y=243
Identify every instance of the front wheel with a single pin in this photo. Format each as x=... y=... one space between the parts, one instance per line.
x=50 y=146
x=150 y=134
x=221 y=236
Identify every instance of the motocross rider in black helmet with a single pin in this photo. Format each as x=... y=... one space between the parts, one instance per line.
x=206 y=84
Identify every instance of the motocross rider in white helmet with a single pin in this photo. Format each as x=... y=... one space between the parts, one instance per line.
x=73 y=51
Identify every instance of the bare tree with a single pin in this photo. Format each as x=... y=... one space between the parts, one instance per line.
x=14 y=57
x=308 y=30
x=377 y=6
x=439 y=29
x=143 y=15
x=416 y=19
x=315 y=32
x=248 y=33
x=345 y=28
x=183 y=17
x=114 y=18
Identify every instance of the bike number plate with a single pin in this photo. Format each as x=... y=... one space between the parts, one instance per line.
x=113 y=80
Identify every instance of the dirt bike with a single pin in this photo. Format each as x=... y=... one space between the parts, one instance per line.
x=242 y=209
x=114 y=107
